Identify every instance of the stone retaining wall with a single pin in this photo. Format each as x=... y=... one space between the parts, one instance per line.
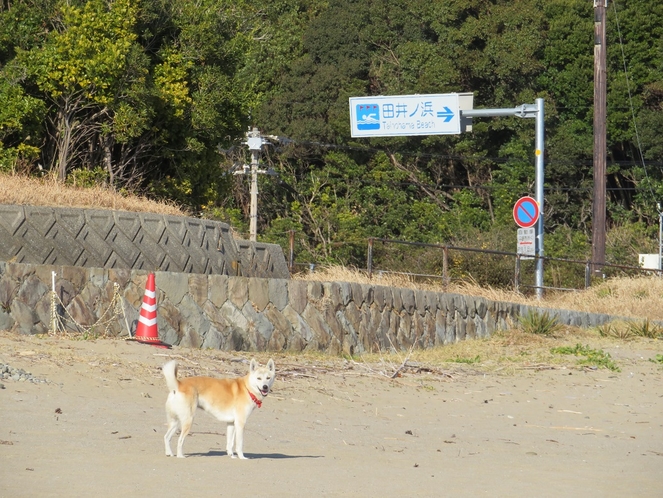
x=140 y=241
x=256 y=314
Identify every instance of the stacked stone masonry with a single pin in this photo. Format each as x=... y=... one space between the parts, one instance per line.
x=256 y=314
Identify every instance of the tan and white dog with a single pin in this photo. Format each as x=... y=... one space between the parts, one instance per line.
x=229 y=400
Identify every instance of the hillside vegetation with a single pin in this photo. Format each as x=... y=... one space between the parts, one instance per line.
x=155 y=97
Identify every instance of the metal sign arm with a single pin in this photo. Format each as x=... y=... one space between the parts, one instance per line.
x=527 y=111
x=521 y=111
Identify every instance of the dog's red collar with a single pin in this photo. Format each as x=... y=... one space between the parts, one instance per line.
x=255 y=400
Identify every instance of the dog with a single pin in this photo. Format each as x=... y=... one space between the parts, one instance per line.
x=229 y=400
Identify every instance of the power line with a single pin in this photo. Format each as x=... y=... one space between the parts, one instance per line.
x=630 y=99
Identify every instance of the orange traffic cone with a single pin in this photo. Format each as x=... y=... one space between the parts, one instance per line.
x=146 y=330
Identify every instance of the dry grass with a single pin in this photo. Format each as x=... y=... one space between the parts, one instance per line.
x=48 y=191
x=640 y=297
x=505 y=352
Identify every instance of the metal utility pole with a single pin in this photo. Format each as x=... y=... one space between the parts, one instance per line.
x=255 y=143
x=660 y=238
x=600 y=146
x=539 y=145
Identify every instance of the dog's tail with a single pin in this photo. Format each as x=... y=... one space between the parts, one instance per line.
x=170 y=373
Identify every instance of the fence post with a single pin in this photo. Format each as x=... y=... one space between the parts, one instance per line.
x=369 y=258
x=445 y=266
x=588 y=275
x=516 y=279
x=291 y=254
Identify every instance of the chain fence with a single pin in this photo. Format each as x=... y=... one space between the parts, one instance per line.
x=63 y=323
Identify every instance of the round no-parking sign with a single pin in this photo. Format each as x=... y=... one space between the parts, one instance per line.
x=526 y=212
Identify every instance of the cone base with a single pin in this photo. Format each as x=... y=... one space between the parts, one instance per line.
x=152 y=342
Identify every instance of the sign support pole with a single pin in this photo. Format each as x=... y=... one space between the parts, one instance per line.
x=527 y=111
x=660 y=238
x=539 y=174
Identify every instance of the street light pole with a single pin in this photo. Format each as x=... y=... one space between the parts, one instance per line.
x=253 y=224
x=255 y=143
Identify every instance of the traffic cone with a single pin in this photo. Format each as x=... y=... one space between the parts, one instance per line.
x=146 y=330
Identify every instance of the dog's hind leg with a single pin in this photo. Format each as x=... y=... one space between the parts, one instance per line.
x=230 y=439
x=186 y=427
x=173 y=425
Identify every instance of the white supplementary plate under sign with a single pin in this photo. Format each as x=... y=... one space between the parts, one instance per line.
x=526 y=243
x=404 y=115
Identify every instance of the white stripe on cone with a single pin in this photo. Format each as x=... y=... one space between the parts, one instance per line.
x=149 y=322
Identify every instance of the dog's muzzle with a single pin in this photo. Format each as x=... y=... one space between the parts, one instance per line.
x=265 y=390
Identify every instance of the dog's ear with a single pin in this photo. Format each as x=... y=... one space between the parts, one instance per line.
x=253 y=365
x=270 y=365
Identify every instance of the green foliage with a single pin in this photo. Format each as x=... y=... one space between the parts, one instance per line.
x=149 y=91
x=88 y=55
x=623 y=243
x=645 y=329
x=591 y=357
x=18 y=135
x=170 y=78
x=467 y=361
x=658 y=359
x=88 y=177
x=20 y=158
x=617 y=331
x=233 y=217
x=630 y=329
x=537 y=323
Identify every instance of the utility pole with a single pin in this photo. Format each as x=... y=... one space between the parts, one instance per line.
x=255 y=143
x=600 y=145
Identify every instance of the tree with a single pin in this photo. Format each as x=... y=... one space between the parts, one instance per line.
x=79 y=68
x=17 y=135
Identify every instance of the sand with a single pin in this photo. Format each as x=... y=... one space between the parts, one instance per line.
x=331 y=427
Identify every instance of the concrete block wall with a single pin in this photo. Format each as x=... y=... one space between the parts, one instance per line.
x=140 y=241
x=258 y=314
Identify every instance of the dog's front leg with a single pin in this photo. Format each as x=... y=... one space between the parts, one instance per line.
x=239 y=440
x=230 y=439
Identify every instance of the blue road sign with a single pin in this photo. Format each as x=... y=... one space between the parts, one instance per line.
x=526 y=212
x=403 y=115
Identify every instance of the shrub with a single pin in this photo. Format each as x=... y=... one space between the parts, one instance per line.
x=539 y=323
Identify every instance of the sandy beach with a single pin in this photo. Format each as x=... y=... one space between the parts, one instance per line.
x=90 y=422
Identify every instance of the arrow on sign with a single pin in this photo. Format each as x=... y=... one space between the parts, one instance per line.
x=447 y=114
